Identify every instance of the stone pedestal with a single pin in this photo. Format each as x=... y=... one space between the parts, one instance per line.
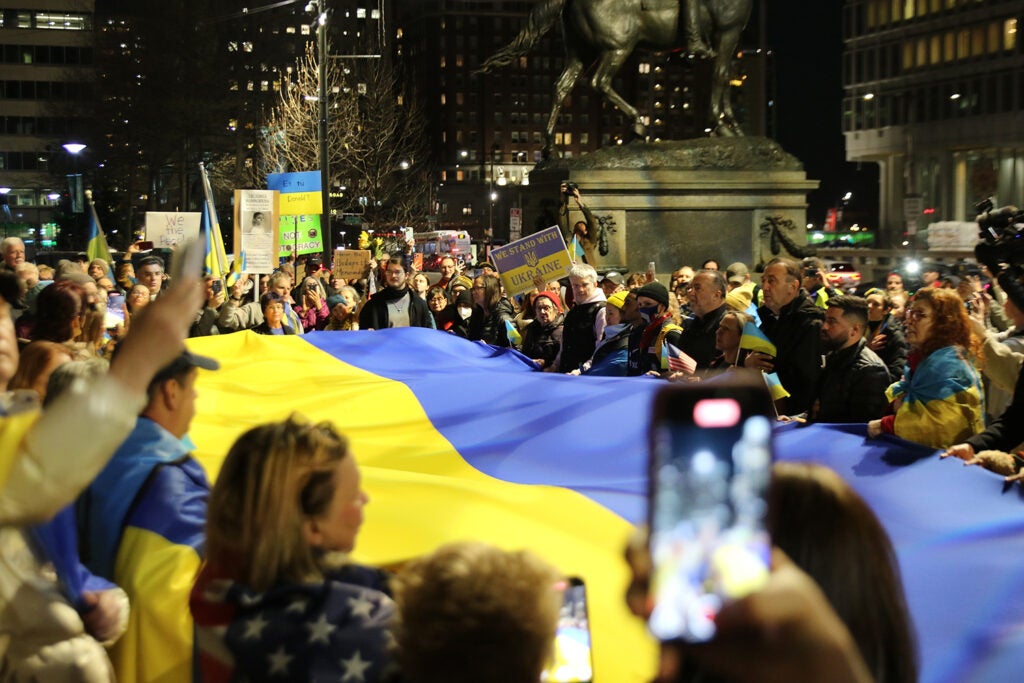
x=680 y=203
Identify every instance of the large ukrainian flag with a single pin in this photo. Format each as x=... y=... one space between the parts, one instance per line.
x=457 y=440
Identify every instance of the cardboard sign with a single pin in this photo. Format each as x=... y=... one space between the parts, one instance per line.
x=168 y=229
x=351 y=263
x=532 y=261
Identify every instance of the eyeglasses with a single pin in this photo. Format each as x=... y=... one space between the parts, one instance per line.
x=916 y=314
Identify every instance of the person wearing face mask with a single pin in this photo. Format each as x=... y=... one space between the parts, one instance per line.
x=612 y=353
x=648 y=337
x=463 y=312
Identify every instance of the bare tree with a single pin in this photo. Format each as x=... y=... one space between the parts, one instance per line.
x=376 y=137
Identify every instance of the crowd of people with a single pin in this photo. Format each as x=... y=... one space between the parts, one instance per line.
x=98 y=346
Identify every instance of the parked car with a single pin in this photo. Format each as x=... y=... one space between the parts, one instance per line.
x=843 y=275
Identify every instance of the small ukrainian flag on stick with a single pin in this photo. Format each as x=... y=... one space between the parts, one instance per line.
x=775 y=387
x=754 y=339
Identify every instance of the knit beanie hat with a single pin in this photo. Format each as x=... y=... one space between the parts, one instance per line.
x=552 y=297
x=655 y=291
x=618 y=299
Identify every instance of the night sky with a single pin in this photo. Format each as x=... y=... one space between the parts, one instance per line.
x=806 y=39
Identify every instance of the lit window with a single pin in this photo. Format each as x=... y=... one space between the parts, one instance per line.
x=62 y=22
x=360 y=13
x=1010 y=34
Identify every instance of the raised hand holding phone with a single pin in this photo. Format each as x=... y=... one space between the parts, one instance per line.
x=710 y=466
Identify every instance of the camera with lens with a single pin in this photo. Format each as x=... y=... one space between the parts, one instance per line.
x=1002 y=246
x=570 y=188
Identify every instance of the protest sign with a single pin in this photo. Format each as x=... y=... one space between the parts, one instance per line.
x=350 y=263
x=300 y=234
x=167 y=229
x=532 y=261
x=256 y=214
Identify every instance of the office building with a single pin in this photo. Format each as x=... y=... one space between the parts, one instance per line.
x=45 y=71
x=934 y=94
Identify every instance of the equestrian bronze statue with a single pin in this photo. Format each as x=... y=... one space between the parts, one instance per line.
x=605 y=33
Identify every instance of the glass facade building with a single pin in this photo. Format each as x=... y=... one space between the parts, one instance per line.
x=934 y=94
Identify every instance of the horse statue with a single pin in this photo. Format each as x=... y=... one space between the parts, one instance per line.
x=606 y=32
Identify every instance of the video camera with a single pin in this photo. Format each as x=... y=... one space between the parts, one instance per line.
x=1002 y=246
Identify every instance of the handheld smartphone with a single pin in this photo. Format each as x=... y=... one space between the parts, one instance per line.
x=710 y=466
x=217 y=286
x=145 y=245
x=573 y=661
x=114 y=315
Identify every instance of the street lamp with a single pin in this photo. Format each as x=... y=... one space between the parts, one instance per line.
x=75 y=178
x=317 y=7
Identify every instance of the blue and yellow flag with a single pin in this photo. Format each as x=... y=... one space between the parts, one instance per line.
x=97 y=246
x=775 y=387
x=441 y=462
x=754 y=339
x=512 y=332
x=216 y=257
x=575 y=249
x=458 y=441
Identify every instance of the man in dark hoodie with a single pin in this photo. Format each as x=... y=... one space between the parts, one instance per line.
x=793 y=324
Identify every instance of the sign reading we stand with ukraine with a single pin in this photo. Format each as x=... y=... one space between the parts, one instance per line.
x=532 y=261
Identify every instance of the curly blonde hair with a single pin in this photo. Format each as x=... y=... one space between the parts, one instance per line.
x=472 y=612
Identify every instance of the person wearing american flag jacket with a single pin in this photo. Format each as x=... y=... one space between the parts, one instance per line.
x=277 y=599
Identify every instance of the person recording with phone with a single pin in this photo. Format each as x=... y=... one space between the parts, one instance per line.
x=312 y=309
x=587 y=232
x=204 y=323
x=733 y=577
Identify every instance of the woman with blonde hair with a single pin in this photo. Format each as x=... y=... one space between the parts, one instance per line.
x=277 y=597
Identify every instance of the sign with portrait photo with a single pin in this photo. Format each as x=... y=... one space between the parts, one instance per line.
x=256 y=236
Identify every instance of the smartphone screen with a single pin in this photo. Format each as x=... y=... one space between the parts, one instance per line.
x=710 y=467
x=114 y=315
x=572 y=660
